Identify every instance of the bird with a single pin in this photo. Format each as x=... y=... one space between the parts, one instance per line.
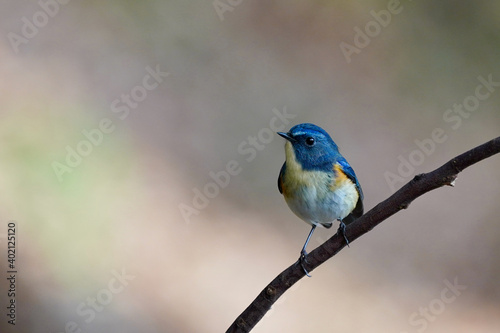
x=317 y=182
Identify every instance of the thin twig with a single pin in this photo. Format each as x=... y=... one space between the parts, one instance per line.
x=420 y=184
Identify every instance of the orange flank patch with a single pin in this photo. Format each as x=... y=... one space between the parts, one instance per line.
x=340 y=177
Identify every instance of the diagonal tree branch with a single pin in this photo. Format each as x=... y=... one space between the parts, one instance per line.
x=419 y=185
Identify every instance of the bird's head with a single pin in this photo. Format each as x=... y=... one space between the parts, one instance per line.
x=310 y=146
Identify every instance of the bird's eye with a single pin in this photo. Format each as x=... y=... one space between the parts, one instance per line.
x=310 y=141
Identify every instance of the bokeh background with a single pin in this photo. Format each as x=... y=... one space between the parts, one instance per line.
x=118 y=212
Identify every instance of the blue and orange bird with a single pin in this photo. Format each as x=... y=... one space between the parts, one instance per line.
x=317 y=182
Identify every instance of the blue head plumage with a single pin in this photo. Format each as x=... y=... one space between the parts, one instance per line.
x=314 y=148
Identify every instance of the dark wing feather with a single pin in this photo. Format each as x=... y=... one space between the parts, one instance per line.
x=280 y=178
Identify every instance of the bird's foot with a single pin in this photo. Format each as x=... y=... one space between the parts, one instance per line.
x=341 y=231
x=302 y=260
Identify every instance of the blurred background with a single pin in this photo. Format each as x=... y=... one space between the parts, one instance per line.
x=117 y=116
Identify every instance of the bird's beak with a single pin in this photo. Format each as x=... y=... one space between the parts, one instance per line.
x=286 y=136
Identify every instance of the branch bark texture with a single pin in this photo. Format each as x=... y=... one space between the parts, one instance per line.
x=419 y=185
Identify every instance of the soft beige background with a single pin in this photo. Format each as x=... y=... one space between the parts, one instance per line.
x=119 y=209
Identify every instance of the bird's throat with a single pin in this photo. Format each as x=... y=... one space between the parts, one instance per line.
x=291 y=158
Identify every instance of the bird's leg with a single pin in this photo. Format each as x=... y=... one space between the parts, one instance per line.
x=303 y=253
x=341 y=231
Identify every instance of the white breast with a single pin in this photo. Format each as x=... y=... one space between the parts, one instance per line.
x=315 y=206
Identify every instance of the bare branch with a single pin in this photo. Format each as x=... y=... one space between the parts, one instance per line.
x=420 y=184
